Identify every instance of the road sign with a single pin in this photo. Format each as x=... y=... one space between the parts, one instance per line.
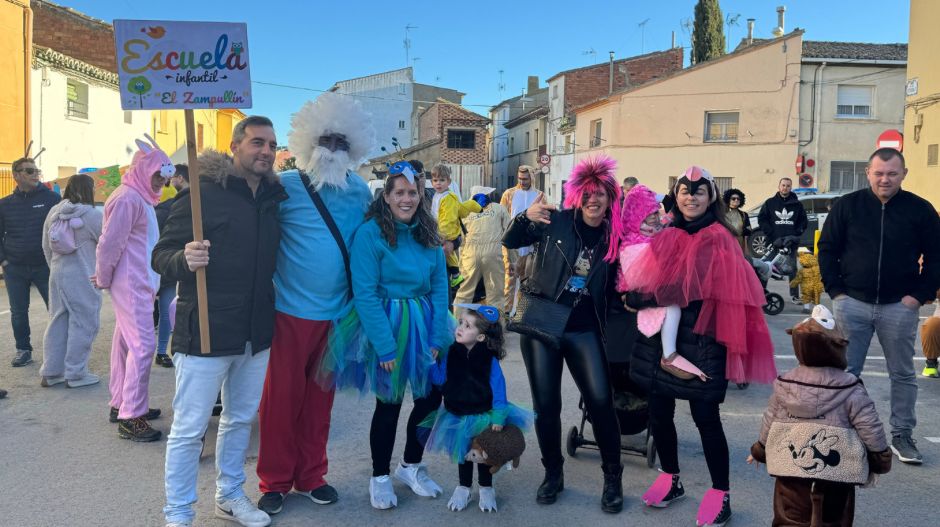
x=891 y=139
x=545 y=159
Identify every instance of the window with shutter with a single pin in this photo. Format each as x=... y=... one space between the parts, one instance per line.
x=854 y=102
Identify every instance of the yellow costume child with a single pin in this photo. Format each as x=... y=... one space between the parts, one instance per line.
x=809 y=279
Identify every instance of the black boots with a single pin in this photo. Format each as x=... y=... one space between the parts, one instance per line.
x=553 y=483
x=612 y=497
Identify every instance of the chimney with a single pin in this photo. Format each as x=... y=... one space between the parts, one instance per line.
x=750 y=31
x=780 y=30
x=533 y=84
x=610 y=88
x=673 y=40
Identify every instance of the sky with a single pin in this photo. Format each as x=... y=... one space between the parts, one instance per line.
x=313 y=44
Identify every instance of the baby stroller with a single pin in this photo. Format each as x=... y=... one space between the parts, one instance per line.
x=765 y=271
x=776 y=264
x=632 y=412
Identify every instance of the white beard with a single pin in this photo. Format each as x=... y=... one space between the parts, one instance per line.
x=329 y=168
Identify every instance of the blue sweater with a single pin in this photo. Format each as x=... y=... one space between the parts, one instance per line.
x=408 y=270
x=311 y=277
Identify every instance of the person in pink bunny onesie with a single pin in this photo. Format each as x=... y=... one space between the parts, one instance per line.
x=123 y=266
x=641 y=221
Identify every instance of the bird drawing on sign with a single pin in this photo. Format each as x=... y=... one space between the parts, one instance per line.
x=154 y=31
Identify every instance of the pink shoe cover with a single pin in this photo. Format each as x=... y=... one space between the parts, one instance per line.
x=658 y=490
x=683 y=364
x=711 y=506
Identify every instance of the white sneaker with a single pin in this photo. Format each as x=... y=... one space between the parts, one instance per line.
x=415 y=475
x=487 y=499
x=88 y=380
x=242 y=510
x=460 y=499
x=48 y=382
x=381 y=493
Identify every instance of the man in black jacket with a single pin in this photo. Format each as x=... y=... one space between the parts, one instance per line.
x=783 y=215
x=22 y=215
x=240 y=200
x=880 y=261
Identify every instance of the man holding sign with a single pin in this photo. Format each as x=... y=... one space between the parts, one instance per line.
x=240 y=198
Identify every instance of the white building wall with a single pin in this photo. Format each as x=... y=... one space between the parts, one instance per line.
x=562 y=162
x=836 y=138
x=389 y=98
x=71 y=143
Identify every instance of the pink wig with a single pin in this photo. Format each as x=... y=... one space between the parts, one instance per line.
x=639 y=203
x=594 y=174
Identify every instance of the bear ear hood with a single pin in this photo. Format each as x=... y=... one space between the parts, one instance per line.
x=818 y=342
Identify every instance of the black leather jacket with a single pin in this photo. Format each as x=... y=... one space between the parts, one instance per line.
x=558 y=245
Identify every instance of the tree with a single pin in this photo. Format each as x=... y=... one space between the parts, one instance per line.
x=288 y=164
x=708 y=36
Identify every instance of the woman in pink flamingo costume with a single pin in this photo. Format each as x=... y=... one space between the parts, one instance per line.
x=123 y=267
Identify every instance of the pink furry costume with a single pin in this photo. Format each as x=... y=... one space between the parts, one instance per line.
x=123 y=266
x=708 y=266
x=639 y=203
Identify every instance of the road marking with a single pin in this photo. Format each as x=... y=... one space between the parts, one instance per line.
x=933 y=439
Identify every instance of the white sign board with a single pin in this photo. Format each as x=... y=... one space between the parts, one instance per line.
x=166 y=65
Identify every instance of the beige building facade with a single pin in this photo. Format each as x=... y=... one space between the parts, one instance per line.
x=737 y=116
x=922 y=107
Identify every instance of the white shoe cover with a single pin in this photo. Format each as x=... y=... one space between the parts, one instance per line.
x=460 y=499
x=381 y=493
x=488 y=499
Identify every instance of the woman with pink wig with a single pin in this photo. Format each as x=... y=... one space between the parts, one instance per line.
x=569 y=289
x=697 y=264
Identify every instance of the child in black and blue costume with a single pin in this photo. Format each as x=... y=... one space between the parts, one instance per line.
x=474 y=399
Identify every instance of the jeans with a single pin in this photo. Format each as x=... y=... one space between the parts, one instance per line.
x=18 y=278
x=165 y=296
x=896 y=326
x=198 y=380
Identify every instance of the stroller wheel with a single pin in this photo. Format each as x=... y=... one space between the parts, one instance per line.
x=650 y=452
x=743 y=385
x=774 y=305
x=574 y=441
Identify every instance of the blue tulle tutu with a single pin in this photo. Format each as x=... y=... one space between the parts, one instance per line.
x=351 y=363
x=452 y=434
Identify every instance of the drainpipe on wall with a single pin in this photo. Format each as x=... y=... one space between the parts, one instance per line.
x=818 y=124
x=27 y=70
x=610 y=88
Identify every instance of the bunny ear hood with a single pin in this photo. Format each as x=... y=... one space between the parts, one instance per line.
x=148 y=159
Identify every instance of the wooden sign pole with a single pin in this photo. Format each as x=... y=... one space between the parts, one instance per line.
x=201 y=293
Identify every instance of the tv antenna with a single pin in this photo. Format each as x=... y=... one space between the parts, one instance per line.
x=642 y=26
x=407 y=44
x=731 y=20
x=591 y=52
x=501 y=87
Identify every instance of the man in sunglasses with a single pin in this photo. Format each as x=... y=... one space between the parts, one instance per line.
x=22 y=215
x=327 y=202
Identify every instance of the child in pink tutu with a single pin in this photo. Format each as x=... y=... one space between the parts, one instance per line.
x=641 y=221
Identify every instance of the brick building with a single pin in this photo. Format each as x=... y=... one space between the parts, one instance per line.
x=571 y=89
x=449 y=134
x=77 y=35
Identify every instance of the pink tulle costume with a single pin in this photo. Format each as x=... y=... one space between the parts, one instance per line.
x=639 y=204
x=707 y=266
x=123 y=267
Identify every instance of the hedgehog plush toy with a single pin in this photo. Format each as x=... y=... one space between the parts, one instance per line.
x=497 y=448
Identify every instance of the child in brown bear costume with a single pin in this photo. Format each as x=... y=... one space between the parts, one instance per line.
x=821 y=435
x=930 y=339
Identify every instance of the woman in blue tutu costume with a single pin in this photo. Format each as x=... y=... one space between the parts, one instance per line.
x=400 y=295
x=474 y=399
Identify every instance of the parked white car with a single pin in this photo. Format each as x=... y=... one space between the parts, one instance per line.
x=817 y=208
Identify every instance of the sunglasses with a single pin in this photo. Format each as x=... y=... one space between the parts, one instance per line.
x=735 y=198
x=30 y=171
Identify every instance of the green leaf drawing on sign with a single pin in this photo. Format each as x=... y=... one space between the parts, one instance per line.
x=139 y=85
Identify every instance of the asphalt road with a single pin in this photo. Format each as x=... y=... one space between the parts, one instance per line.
x=63 y=463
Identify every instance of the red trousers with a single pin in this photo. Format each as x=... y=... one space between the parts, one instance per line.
x=295 y=411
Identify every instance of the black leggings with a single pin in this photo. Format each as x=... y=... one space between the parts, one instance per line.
x=465 y=474
x=385 y=425
x=708 y=420
x=584 y=354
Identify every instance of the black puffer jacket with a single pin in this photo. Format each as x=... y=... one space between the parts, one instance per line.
x=22 y=215
x=244 y=233
x=558 y=244
x=703 y=351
